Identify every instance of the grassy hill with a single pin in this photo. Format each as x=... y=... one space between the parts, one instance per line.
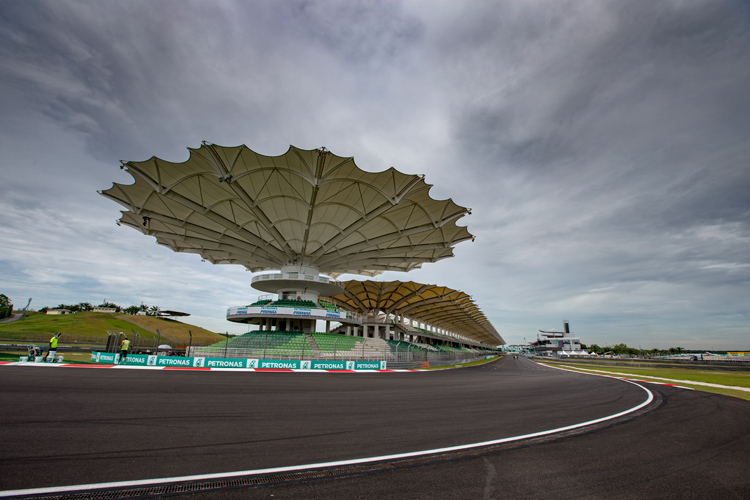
x=175 y=330
x=93 y=327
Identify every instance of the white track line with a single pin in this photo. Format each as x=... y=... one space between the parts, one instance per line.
x=340 y=463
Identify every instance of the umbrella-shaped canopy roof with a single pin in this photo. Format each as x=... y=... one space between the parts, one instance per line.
x=435 y=305
x=232 y=205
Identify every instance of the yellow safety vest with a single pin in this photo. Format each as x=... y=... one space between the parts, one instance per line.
x=53 y=343
x=125 y=345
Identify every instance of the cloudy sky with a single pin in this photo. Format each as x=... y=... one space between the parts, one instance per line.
x=603 y=147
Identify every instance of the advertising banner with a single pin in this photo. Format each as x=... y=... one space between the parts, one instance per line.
x=280 y=364
x=242 y=363
x=103 y=357
x=136 y=359
x=369 y=365
x=284 y=311
x=221 y=362
x=329 y=365
x=174 y=361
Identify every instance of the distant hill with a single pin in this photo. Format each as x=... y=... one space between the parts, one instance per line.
x=93 y=327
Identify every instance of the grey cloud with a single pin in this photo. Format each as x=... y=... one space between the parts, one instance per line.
x=363 y=33
x=580 y=96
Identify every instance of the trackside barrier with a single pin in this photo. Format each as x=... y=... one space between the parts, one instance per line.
x=257 y=364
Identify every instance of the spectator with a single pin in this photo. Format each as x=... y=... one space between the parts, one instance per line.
x=124 y=351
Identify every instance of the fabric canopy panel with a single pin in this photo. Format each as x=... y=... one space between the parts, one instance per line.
x=312 y=208
x=438 y=306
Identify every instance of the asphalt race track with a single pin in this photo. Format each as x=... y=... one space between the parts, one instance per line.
x=73 y=426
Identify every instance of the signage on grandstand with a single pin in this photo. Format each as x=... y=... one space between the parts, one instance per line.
x=284 y=311
x=292 y=276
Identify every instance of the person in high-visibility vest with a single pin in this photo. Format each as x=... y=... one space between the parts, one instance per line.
x=124 y=353
x=52 y=348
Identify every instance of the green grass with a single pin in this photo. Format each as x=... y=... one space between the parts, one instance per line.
x=175 y=331
x=92 y=327
x=10 y=356
x=462 y=365
x=82 y=324
x=683 y=376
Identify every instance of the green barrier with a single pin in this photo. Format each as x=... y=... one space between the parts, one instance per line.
x=279 y=364
x=221 y=362
x=170 y=361
x=241 y=363
x=329 y=365
x=104 y=357
x=136 y=359
x=369 y=365
x=114 y=358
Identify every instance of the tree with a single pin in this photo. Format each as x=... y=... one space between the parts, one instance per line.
x=6 y=306
x=594 y=348
x=131 y=310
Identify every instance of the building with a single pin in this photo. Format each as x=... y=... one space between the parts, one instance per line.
x=98 y=309
x=57 y=311
x=557 y=343
x=302 y=219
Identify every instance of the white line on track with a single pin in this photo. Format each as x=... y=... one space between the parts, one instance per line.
x=340 y=463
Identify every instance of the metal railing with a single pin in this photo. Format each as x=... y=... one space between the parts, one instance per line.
x=400 y=355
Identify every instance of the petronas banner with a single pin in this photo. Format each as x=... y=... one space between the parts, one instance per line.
x=237 y=363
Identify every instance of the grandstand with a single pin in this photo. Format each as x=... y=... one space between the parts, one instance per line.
x=301 y=214
x=266 y=344
x=319 y=345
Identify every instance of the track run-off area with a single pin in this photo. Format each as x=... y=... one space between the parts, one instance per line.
x=512 y=428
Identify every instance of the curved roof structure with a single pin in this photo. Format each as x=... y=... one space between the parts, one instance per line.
x=305 y=207
x=435 y=305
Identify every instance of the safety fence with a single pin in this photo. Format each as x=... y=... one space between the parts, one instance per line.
x=396 y=354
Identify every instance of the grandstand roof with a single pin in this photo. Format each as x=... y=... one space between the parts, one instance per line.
x=232 y=205
x=435 y=305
